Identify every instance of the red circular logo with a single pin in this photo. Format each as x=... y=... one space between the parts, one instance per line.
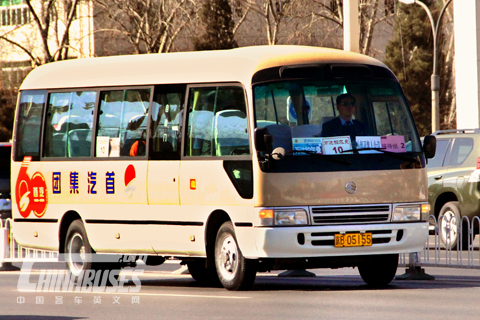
x=30 y=193
x=39 y=190
x=24 y=197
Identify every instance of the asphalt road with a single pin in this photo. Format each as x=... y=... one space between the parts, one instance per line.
x=165 y=293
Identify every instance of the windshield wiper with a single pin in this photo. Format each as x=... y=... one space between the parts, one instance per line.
x=390 y=153
x=321 y=156
x=279 y=153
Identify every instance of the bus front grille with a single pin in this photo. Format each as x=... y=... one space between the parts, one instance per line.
x=351 y=214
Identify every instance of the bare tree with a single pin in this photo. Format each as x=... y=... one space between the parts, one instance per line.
x=48 y=27
x=370 y=15
x=149 y=26
x=307 y=28
x=315 y=22
x=274 y=13
x=7 y=111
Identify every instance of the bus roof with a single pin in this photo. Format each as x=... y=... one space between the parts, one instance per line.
x=182 y=67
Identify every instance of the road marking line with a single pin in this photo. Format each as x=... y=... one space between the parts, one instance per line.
x=138 y=294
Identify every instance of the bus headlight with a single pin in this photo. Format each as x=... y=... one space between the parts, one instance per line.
x=291 y=217
x=408 y=213
x=283 y=217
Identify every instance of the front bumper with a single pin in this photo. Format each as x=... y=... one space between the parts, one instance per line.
x=318 y=241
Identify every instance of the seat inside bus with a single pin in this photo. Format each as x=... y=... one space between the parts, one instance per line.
x=230 y=132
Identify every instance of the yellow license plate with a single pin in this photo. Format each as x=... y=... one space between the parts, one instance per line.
x=353 y=240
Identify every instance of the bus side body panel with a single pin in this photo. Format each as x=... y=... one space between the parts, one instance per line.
x=118 y=216
x=101 y=194
x=213 y=191
x=163 y=182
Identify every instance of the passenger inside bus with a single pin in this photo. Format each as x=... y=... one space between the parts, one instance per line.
x=138 y=148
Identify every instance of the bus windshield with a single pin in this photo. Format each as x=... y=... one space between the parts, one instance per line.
x=336 y=117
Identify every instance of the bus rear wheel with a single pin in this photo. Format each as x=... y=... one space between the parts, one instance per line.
x=379 y=271
x=80 y=259
x=234 y=271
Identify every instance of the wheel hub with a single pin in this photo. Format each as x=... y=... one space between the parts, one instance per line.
x=228 y=256
x=449 y=226
x=76 y=254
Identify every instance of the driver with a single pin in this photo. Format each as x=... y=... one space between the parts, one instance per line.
x=344 y=124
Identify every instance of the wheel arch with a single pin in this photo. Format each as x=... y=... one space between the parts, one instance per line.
x=65 y=222
x=214 y=221
x=442 y=199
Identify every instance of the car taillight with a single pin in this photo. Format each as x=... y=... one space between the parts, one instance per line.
x=478 y=163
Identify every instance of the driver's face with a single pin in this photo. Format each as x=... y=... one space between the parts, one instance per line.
x=346 y=108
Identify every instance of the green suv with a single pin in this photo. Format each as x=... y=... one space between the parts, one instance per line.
x=454 y=184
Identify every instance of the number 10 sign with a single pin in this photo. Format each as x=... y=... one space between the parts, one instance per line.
x=336 y=145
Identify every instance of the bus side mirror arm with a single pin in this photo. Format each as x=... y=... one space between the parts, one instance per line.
x=429 y=146
x=263 y=140
x=263 y=145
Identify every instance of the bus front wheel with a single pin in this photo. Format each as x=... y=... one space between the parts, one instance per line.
x=379 y=271
x=80 y=259
x=234 y=271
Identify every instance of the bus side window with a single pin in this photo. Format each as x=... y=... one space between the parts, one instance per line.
x=199 y=127
x=29 y=124
x=217 y=122
x=122 y=123
x=167 y=122
x=68 y=130
x=230 y=123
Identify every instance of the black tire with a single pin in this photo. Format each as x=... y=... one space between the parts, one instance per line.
x=201 y=274
x=379 y=271
x=81 y=259
x=451 y=212
x=234 y=271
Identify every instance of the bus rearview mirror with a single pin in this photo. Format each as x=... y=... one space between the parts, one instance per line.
x=263 y=140
x=429 y=146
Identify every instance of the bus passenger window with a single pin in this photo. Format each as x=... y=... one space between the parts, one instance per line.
x=122 y=124
x=200 y=116
x=29 y=124
x=167 y=121
x=68 y=130
x=217 y=122
x=230 y=123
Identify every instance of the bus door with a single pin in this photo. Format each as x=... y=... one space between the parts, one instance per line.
x=216 y=167
x=165 y=130
x=118 y=175
x=163 y=168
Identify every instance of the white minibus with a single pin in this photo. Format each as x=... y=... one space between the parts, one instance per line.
x=234 y=162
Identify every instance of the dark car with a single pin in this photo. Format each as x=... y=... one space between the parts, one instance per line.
x=5 y=197
x=454 y=183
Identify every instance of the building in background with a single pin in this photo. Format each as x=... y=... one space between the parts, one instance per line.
x=31 y=33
